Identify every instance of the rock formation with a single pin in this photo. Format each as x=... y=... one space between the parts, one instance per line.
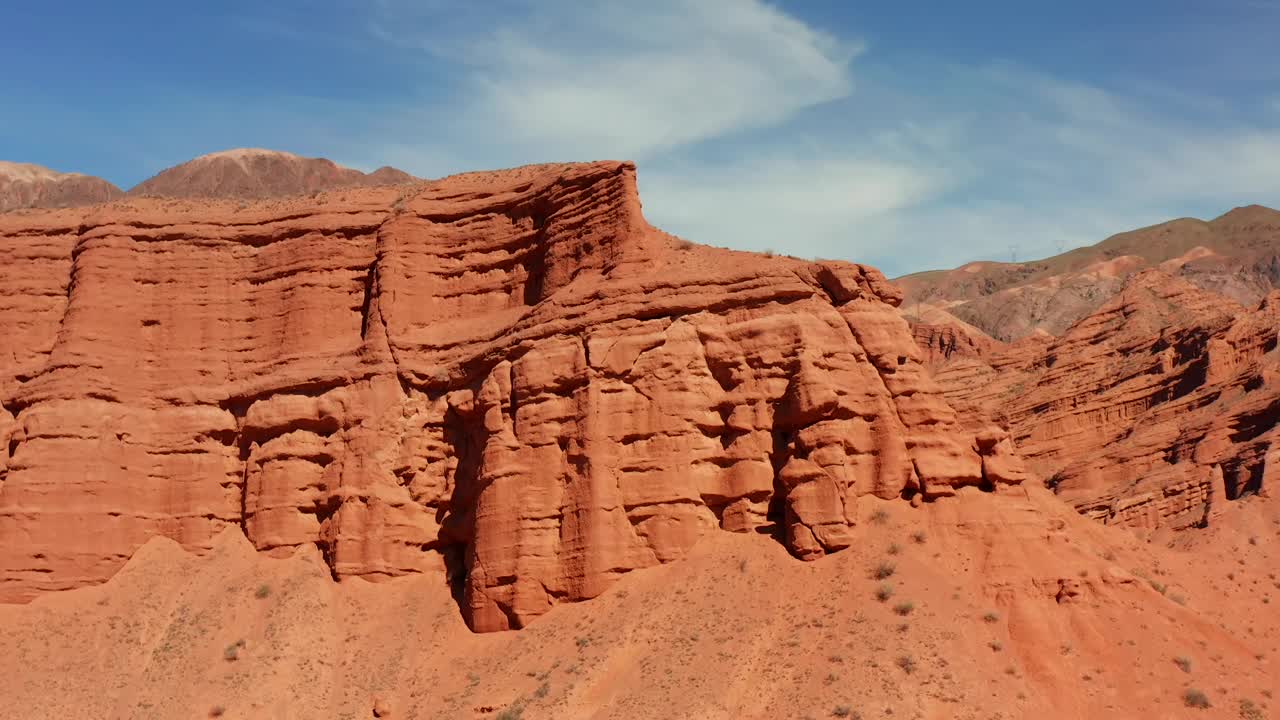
x=251 y=173
x=508 y=377
x=1236 y=255
x=1151 y=412
x=23 y=185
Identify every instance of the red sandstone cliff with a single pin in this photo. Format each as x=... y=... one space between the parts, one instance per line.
x=24 y=185
x=509 y=376
x=1153 y=411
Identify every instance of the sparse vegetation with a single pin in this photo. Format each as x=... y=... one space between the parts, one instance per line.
x=894 y=549
x=217 y=711
x=904 y=608
x=884 y=570
x=262 y=592
x=232 y=652
x=1195 y=698
x=906 y=663
x=542 y=690
x=880 y=516
x=884 y=592
x=995 y=645
x=1183 y=662
x=991 y=617
x=918 y=537
x=514 y=711
x=841 y=711
x=582 y=642
x=1249 y=710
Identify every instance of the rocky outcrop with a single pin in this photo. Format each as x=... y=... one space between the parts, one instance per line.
x=950 y=341
x=508 y=377
x=23 y=185
x=254 y=174
x=1151 y=412
x=1236 y=255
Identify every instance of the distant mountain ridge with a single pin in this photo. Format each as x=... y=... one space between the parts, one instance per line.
x=256 y=174
x=25 y=185
x=238 y=174
x=1236 y=255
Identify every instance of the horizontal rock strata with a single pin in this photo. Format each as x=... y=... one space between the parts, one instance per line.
x=1151 y=412
x=507 y=377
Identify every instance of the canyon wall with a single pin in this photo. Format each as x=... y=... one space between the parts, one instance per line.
x=1151 y=412
x=508 y=378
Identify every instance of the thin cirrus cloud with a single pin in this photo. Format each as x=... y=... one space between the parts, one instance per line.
x=751 y=132
x=567 y=80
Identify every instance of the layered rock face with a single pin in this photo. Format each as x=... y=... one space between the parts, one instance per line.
x=1236 y=255
x=254 y=174
x=509 y=377
x=23 y=185
x=1151 y=412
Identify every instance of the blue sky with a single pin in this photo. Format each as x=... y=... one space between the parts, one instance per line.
x=906 y=135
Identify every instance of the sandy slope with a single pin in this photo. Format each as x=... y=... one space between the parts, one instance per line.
x=1018 y=612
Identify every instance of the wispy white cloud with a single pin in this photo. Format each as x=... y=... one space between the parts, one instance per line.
x=570 y=80
x=1025 y=161
x=796 y=203
x=748 y=132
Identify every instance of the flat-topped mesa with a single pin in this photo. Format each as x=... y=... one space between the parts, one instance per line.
x=255 y=173
x=23 y=185
x=509 y=377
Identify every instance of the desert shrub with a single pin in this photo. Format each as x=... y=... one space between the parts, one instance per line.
x=884 y=592
x=884 y=570
x=895 y=548
x=918 y=537
x=262 y=591
x=995 y=645
x=904 y=608
x=1249 y=710
x=514 y=711
x=907 y=663
x=991 y=617
x=880 y=516
x=1195 y=698
x=1183 y=662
